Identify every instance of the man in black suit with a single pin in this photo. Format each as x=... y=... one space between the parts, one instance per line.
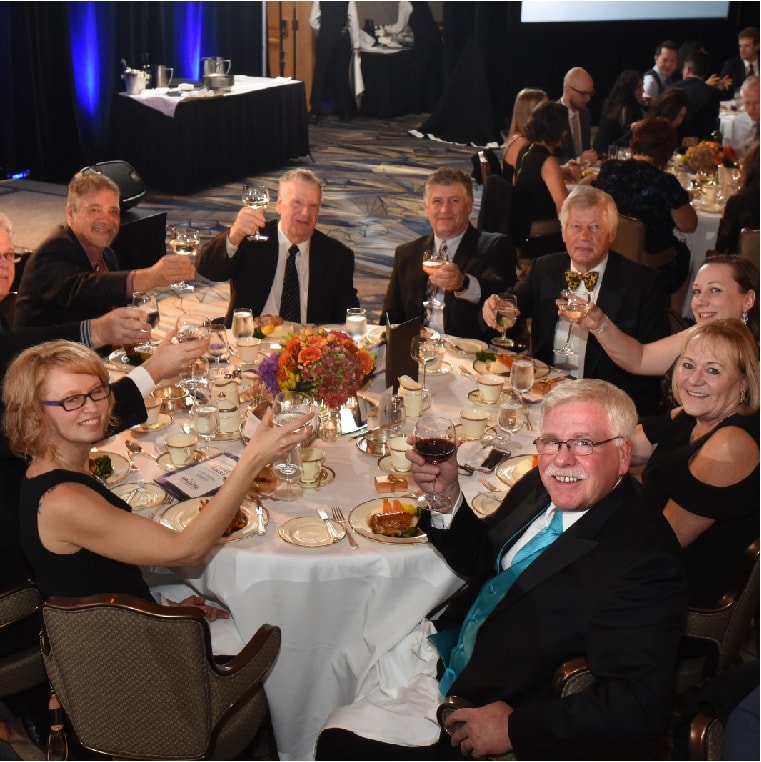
x=735 y=70
x=703 y=111
x=578 y=89
x=640 y=307
x=572 y=564
x=74 y=274
x=478 y=263
x=298 y=273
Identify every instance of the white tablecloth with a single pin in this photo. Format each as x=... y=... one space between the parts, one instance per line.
x=700 y=241
x=339 y=609
x=737 y=129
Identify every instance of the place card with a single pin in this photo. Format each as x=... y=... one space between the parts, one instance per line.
x=398 y=359
x=199 y=479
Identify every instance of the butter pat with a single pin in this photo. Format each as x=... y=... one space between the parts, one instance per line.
x=387 y=484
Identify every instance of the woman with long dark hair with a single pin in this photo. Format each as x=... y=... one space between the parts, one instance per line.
x=619 y=110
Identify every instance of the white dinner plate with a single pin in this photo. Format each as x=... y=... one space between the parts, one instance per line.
x=180 y=515
x=308 y=532
x=359 y=519
x=513 y=469
x=118 y=462
x=150 y=495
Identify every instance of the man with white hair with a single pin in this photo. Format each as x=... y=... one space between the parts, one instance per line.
x=746 y=125
x=589 y=221
x=8 y=261
x=578 y=89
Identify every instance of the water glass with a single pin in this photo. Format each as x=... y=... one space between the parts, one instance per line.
x=522 y=374
x=356 y=323
x=243 y=323
x=206 y=423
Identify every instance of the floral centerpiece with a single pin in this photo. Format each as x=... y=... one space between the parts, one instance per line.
x=327 y=364
x=707 y=155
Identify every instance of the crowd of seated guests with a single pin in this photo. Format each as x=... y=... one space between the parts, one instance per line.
x=742 y=208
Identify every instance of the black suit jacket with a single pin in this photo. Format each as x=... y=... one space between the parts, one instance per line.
x=612 y=588
x=567 y=151
x=703 y=111
x=59 y=284
x=632 y=297
x=489 y=257
x=735 y=68
x=252 y=270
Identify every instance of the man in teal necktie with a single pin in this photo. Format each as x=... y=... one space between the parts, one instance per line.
x=571 y=565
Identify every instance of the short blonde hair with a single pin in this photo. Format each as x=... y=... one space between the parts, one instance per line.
x=24 y=419
x=5 y=224
x=588 y=197
x=87 y=183
x=615 y=403
x=731 y=335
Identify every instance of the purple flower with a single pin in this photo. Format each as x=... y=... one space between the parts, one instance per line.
x=268 y=372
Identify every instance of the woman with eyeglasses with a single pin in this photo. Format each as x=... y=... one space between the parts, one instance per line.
x=702 y=460
x=79 y=537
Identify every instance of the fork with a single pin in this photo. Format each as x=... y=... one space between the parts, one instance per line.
x=338 y=517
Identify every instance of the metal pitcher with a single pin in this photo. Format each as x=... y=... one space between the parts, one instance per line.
x=215 y=65
x=162 y=75
x=135 y=81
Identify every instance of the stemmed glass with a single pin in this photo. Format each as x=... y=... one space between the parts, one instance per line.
x=572 y=307
x=256 y=197
x=506 y=314
x=186 y=241
x=425 y=351
x=217 y=344
x=206 y=423
x=432 y=261
x=510 y=417
x=287 y=407
x=435 y=440
x=197 y=375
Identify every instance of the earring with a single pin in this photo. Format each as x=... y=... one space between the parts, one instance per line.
x=744 y=317
x=744 y=395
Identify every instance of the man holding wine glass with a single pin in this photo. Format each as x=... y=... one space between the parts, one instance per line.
x=590 y=273
x=456 y=260
x=293 y=270
x=74 y=274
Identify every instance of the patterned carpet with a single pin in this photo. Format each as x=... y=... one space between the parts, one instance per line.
x=372 y=201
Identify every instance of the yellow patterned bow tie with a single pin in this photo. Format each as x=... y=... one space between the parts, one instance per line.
x=573 y=279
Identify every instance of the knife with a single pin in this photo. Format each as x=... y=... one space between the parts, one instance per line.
x=331 y=531
x=259 y=518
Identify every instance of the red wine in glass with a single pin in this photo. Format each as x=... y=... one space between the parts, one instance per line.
x=434 y=449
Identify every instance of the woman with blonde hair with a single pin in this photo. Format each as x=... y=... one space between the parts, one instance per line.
x=525 y=103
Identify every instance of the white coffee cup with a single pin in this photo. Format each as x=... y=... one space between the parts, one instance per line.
x=311 y=464
x=490 y=387
x=181 y=448
x=225 y=389
x=473 y=422
x=153 y=408
x=228 y=416
x=415 y=401
x=248 y=349
x=398 y=447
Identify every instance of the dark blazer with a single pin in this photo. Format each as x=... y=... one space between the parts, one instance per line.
x=567 y=151
x=735 y=68
x=703 y=111
x=632 y=297
x=612 y=588
x=59 y=284
x=252 y=270
x=490 y=257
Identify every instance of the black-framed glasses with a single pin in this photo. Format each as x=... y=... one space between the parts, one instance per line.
x=585 y=93
x=77 y=401
x=579 y=446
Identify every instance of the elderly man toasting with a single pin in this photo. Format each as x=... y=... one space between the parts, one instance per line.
x=298 y=273
x=592 y=272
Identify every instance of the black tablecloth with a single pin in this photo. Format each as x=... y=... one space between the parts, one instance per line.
x=391 y=87
x=210 y=141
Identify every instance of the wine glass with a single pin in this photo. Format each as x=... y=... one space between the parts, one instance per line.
x=506 y=313
x=256 y=197
x=146 y=301
x=510 y=417
x=425 y=351
x=185 y=241
x=217 y=344
x=435 y=440
x=432 y=261
x=206 y=423
x=571 y=307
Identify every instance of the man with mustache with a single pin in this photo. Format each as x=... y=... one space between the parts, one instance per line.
x=571 y=565
x=74 y=274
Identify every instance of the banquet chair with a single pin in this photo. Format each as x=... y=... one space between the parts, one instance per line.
x=747 y=245
x=138 y=680
x=24 y=669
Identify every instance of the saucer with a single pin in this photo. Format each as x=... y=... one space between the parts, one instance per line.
x=385 y=464
x=219 y=436
x=326 y=477
x=475 y=397
x=148 y=428
x=165 y=461
x=488 y=431
x=485 y=503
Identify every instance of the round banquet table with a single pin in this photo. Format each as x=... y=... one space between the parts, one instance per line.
x=339 y=609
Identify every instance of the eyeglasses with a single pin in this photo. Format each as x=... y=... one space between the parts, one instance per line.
x=551 y=446
x=10 y=256
x=77 y=401
x=585 y=93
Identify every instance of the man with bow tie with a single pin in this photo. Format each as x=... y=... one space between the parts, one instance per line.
x=589 y=220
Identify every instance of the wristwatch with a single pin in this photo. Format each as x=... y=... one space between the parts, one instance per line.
x=465 y=283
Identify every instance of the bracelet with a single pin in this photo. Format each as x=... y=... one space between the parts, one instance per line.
x=602 y=327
